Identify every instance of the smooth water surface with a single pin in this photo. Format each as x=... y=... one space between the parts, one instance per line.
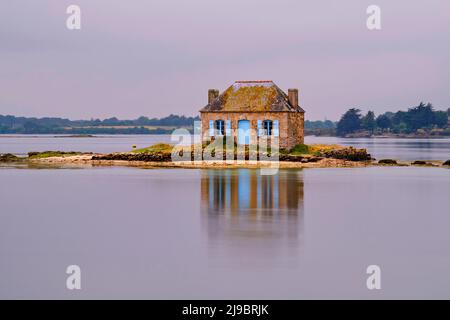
x=225 y=234
x=22 y=144
x=394 y=148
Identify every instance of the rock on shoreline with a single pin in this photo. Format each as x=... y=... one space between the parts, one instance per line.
x=349 y=153
x=341 y=153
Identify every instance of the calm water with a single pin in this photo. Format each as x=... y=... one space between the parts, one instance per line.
x=22 y=144
x=394 y=148
x=140 y=233
x=403 y=149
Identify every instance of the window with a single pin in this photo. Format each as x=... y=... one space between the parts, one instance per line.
x=267 y=127
x=211 y=128
x=220 y=127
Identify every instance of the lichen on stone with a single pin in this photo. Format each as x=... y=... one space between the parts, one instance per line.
x=254 y=98
x=251 y=96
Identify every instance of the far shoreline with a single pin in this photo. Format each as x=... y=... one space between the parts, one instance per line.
x=103 y=135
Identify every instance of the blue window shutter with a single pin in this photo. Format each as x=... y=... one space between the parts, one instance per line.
x=276 y=130
x=211 y=128
x=228 y=128
x=260 y=130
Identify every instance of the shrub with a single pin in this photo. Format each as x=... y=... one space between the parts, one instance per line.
x=349 y=153
x=48 y=154
x=300 y=149
x=8 y=157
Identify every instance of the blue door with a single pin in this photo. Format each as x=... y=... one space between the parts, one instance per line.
x=243 y=132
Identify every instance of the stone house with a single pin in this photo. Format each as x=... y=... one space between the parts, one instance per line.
x=254 y=108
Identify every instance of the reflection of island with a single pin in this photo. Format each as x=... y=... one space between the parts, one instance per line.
x=249 y=213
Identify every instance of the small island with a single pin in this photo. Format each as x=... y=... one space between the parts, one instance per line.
x=160 y=156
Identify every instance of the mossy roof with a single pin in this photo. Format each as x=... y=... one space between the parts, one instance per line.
x=252 y=96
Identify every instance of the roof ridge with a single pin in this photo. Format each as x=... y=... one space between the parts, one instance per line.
x=252 y=81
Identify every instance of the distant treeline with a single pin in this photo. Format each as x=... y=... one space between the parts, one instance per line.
x=326 y=124
x=419 y=120
x=12 y=124
x=320 y=128
x=23 y=125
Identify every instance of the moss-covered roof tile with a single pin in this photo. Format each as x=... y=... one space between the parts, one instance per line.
x=251 y=96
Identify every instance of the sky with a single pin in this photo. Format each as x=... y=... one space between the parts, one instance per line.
x=157 y=57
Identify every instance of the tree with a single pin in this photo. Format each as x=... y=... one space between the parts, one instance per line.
x=440 y=119
x=402 y=128
x=34 y=127
x=111 y=121
x=368 y=121
x=318 y=124
x=142 y=121
x=350 y=122
x=419 y=117
x=384 y=122
x=399 y=117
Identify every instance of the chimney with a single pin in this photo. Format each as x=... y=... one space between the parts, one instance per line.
x=293 y=97
x=212 y=94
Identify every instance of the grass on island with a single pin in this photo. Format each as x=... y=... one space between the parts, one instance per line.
x=313 y=149
x=300 y=149
x=156 y=148
x=8 y=157
x=48 y=154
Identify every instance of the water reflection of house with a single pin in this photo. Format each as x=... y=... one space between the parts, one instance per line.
x=228 y=191
x=248 y=214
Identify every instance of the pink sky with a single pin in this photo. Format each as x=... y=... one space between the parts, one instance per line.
x=157 y=57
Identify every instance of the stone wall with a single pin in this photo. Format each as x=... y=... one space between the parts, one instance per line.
x=296 y=129
x=291 y=124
